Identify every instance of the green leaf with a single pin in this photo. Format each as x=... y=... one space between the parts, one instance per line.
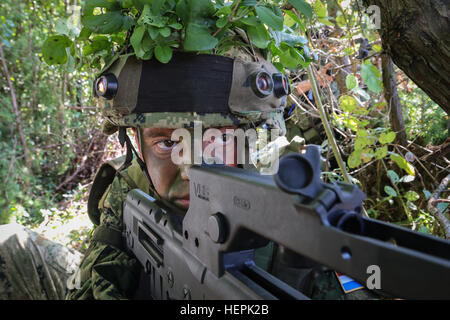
x=54 y=49
x=194 y=11
x=390 y=191
x=136 y=40
x=407 y=179
x=98 y=43
x=250 y=21
x=360 y=143
x=259 y=36
x=249 y=3
x=412 y=196
x=367 y=154
x=163 y=53
x=377 y=48
x=288 y=21
x=442 y=206
x=220 y=23
x=427 y=194
x=380 y=153
x=148 y=54
x=61 y=27
x=402 y=163
x=394 y=176
x=348 y=103
x=165 y=32
x=225 y=10
x=153 y=32
x=289 y=56
x=351 y=81
x=320 y=9
x=354 y=160
x=176 y=26
x=291 y=39
x=371 y=77
x=128 y=22
x=198 y=38
x=84 y=34
x=106 y=23
x=294 y=18
x=387 y=137
x=268 y=17
x=362 y=133
x=157 y=6
x=303 y=7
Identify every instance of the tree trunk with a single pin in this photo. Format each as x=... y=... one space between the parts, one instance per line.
x=393 y=102
x=415 y=34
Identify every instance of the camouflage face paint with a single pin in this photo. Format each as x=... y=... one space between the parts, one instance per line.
x=171 y=181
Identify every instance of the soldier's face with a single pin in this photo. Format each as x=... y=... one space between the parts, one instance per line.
x=171 y=181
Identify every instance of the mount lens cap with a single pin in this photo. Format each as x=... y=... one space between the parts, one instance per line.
x=281 y=86
x=262 y=84
x=106 y=86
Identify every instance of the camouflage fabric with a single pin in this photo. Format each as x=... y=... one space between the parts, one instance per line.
x=186 y=120
x=32 y=267
x=108 y=272
x=180 y=119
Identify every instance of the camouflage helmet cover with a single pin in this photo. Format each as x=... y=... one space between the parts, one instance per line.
x=231 y=72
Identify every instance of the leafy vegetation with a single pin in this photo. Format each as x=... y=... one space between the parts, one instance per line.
x=157 y=28
x=49 y=130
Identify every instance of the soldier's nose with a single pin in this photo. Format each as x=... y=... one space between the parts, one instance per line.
x=185 y=172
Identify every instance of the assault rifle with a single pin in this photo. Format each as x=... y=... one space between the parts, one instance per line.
x=209 y=253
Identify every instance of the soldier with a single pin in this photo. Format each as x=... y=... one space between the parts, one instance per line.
x=240 y=90
x=236 y=91
x=32 y=267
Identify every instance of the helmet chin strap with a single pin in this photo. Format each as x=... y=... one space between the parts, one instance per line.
x=125 y=139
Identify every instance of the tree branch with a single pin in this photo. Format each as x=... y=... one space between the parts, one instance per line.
x=435 y=211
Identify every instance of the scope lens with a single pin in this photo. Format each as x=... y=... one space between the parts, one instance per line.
x=106 y=86
x=102 y=84
x=281 y=85
x=262 y=84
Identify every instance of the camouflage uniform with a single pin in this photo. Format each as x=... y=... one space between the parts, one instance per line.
x=109 y=272
x=32 y=267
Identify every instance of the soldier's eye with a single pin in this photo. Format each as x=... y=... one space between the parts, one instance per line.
x=166 y=144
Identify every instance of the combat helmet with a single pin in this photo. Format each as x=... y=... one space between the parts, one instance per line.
x=237 y=88
x=234 y=89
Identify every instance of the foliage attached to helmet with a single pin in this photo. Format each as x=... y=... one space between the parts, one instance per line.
x=167 y=63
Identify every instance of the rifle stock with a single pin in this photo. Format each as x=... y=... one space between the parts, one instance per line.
x=234 y=211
